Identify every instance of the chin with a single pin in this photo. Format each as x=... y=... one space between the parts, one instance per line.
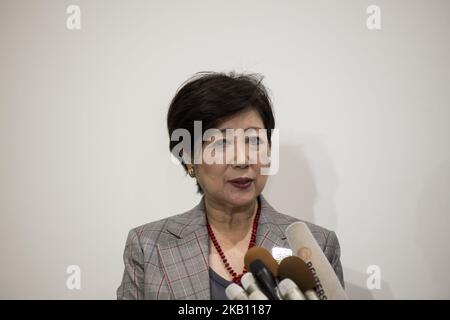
x=241 y=198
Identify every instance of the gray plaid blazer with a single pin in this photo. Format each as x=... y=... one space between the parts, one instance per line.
x=168 y=259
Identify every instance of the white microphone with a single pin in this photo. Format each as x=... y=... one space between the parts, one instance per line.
x=304 y=246
x=249 y=282
x=257 y=295
x=289 y=290
x=251 y=287
x=235 y=292
x=311 y=295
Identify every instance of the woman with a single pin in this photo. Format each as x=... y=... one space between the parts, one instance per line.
x=197 y=254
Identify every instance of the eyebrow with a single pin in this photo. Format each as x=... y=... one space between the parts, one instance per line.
x=221 y=130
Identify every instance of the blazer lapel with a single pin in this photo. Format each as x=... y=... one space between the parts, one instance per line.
x=185 y=259
x=270 y=233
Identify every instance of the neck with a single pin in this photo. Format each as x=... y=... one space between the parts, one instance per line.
x=228 y=219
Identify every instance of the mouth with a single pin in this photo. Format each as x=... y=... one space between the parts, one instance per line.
x=242 y=182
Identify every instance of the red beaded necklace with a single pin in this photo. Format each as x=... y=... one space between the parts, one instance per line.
x=236 y=277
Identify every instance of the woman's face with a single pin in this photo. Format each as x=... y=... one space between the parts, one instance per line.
x=216 y=179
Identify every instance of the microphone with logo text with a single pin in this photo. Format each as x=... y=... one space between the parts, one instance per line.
x=304 y=246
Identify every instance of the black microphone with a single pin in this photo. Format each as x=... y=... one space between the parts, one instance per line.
x=265 y=279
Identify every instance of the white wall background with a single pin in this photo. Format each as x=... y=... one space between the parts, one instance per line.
x=363 y=118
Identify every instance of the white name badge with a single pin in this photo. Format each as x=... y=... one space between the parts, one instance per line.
x=279 y=253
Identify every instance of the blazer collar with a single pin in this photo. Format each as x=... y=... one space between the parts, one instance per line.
x=185 y=259
x=195 y=220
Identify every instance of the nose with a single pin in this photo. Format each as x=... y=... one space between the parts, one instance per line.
x=241 y=155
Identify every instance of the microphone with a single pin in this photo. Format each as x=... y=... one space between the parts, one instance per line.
x=265 y=279
x=290 y=291
x=304 y=245
x=295 y=269
x=262 y=254
x=249 y=283
x=257 y=295
x=235 y=292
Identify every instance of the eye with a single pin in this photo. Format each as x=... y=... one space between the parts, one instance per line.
x=254 y=140
x=222 y=142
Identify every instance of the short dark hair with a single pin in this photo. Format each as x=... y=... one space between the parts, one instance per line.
x=211 y=97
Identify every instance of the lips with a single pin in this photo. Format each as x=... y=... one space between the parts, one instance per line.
x=241 y=180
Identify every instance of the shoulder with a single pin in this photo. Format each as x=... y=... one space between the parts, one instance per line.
x=281 y=221
x=164 y=230
x=326 y=239
x=321 y=234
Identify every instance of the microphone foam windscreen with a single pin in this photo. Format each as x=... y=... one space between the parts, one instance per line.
x=260 y=253
x=296 y=269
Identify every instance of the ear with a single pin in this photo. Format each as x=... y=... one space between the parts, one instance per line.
x=185 y=156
